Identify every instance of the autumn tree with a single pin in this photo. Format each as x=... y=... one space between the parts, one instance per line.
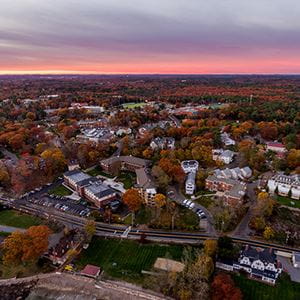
x=223 y=288
x=133 y=200
x=293 y=159
x=26 y=247
x=268 y=233
x=210 y=247
x=90 y=229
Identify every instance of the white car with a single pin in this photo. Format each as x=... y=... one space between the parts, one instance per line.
x=192 y=205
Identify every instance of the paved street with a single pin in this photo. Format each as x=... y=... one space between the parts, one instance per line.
x=243 y=230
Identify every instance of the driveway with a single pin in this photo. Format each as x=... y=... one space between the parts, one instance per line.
x=10 y=229
x=178 y=197
x=289 y=268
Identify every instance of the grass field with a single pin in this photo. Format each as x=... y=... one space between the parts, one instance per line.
x=127 y=178
x=283 y=290
x=133 y=105
x=97 y=171
x=126 y=259
x=288 y=201
x=60 y=191
x=16 y=219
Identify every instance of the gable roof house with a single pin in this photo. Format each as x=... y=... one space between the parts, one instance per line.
x=259 y=263
x=163 y=143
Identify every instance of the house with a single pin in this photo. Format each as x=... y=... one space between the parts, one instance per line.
x=123 y=131
x=285 y=185
x=73 y=165
x=226 y=156
x=235 y=173
x=163 y=143
x=58 y=253
x=259 y=263
x=296 y=259
x=91 y=271
x=276 y=147
x=226 y=140
x=189 y=166
x=190 y=185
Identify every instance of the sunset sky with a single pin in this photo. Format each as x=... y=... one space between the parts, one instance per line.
x=149 y=36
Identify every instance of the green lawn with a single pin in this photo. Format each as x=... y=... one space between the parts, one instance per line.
x=288 y=201
x=97 y=171
x=4 y=234
x=283 y=290
x=205 y=201
x=133 y=105
x=127 y=178
x=60 y=191
x=125 y=258
x=19 y=220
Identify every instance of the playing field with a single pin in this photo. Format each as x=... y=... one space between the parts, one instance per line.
x=283 y=290
x=133 y=105
x=126 y=259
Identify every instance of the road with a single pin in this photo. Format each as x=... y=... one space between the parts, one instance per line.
x=243 y=230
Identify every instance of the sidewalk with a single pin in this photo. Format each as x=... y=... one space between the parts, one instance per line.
x=10 y=229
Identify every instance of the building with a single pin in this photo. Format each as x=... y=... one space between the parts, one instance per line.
x=235 y=173
x=276 y=147
x=114 y=164
x=91 y=271
x=225 y=156
x=145 y=183
x=285 y=185
x=163 y=143
x=90 y=187
x=231 y=191
x=146 y=186
x=190 y=185
x=96 y=135
x=99 y=194
x=296 y=259
x=259 y=263
x=189 y=166
x=226 y=140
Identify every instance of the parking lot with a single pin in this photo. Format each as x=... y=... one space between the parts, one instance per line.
x=63 y=204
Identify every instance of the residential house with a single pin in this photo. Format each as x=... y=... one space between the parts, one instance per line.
x=96 y=135
x=226 y=140
x=276 y=147
x=91 y=271
x=259 y=263
x=226 y=156
x=163 y=143
x=235 y=173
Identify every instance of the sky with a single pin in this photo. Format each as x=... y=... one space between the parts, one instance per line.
x=150 y=36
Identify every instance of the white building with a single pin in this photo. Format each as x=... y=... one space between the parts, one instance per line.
x=226 y=140
x=189 y=166
x=226 y=156
x=163 y=143
x=190 y=185
x=285 y=185
x=296 y=259
x=276 y=147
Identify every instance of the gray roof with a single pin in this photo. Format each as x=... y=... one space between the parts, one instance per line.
x=77 y=175
x=127 y=159
x=99 y=189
